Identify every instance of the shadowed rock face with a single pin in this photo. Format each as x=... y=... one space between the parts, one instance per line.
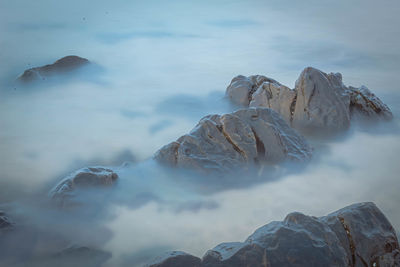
x=83 y=178
x=225 y=142
x=63 y=65
x=357 y=235
x=319 y=102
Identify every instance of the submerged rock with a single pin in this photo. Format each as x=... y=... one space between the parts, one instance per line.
x=364 y=102
x=5 y=222
x=73 y=256
x=63 y=65
x=357 y=235
x=175 y=259
x=319 y=102
x=225 y=142
x=83 y=178
x=322 y=103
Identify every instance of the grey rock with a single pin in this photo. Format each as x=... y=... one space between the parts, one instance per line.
x=63 y=65
x=357 y=235
x=319 y=103
x=366 y=234
x=225 y=142
x=175 y=259
x=79 y=256
x=83 y=178
x=241 y=88
x=364 y=102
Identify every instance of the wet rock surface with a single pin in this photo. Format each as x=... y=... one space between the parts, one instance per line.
x=225 y=142
x=63 y=65
x=320 y=102
x=91 y=177
x=357 y=235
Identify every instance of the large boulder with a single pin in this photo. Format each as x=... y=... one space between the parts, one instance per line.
x=358 y=235
x=225 y=142
x=63 y=65
x=322 y=103
x=366 y=234
x=84 y=178
x=319 y=103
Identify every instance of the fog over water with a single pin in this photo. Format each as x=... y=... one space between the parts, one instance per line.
x=159 y=67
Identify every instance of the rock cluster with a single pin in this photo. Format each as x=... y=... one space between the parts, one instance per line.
x=63 y=65
x=319 y=102
x=357 y=235
x=83 y=178
x=225 y=142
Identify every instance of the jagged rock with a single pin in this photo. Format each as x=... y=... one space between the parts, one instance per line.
x=364 y=102
x=63 y=65
x=319 y=102
x=322 y=103
x=175 y=259
x=86 y=177
x=5 y=222
x=358 y=235
x=275 y=96
x=224 y=142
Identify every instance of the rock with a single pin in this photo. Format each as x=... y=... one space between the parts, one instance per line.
x=241 y=88
x=83 y=178
x=63 y=65
x=358 y=235
x=5 y=222
x=364 y=102
x=366 y=234
x=275 y=96
x=175 y=259
x=225 y=142
x=319 y=103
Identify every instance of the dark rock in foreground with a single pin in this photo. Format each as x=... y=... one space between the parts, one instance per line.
x=224 y=143
x=83 y=178
x=319 y=102
x=358 y=235
x=63 y=65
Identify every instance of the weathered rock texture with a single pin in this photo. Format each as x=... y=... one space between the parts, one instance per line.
x=83 y=178
x=319 y=101
x=63 y=65
x=225 y=142
x=358 y=235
